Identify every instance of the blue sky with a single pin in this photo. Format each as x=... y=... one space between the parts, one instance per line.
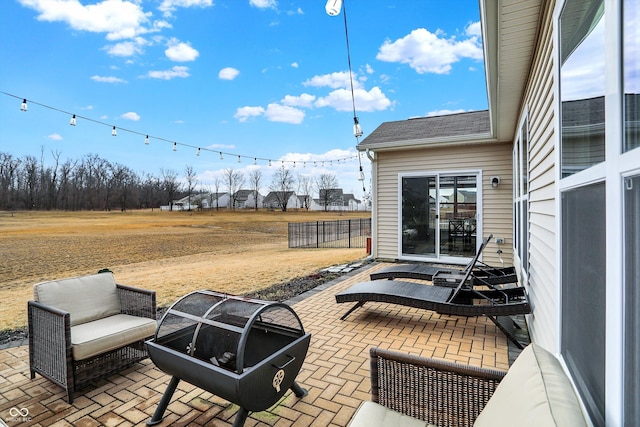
x=261 y=79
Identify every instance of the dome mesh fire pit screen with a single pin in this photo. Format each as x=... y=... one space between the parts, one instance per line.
x=246 y=351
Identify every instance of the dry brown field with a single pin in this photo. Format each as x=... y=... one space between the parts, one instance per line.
x=172 y=253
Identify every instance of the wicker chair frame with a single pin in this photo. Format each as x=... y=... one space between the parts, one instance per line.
x=50 y=353
x=436 y=391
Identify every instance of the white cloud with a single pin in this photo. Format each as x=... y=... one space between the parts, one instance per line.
x=55 y=137
x=119 y=19
x=428 y=52
x=244 y=113
x=474 y=29
x=127 y=48
x=340 y=100
x=264 y=4
x=284 y=114
x=295 y=65
x=167 y=7
x=444 y=112
x=177 y=71
x=228 y=73
x=131 y=116
x=305 y=100
x=339 y=79
x=107 y=79
x=180 y=51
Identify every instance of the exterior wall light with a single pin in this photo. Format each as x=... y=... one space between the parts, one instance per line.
x=495 y=181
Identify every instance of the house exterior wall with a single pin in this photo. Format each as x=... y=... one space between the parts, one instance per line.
x=538 y=108
x=490 y=159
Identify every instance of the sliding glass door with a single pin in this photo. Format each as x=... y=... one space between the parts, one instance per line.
x=439 y=216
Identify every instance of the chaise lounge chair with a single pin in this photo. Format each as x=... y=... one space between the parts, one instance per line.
x=463 y=300
x=481 y=273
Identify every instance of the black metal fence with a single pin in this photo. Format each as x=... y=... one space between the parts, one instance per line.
x=348 y=233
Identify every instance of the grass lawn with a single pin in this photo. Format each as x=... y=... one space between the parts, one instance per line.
x=172 y=253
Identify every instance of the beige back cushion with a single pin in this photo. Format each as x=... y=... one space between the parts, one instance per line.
x=535 y=392
x=86 y=298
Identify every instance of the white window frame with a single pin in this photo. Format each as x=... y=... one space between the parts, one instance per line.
x=438 y=174
x=612 y=171
x=521 y=149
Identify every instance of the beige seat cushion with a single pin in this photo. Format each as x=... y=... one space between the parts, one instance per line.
x=86 y=298
x=535 y=392
x=371 y=414
x=102 y=335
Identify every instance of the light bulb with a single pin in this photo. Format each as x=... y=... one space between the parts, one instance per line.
x=146 y=140
x=255 y=161
x=23 y=106
x=333 y=7
x=113 y=132
x=357 y=130
x=198 y=152
x=72 y=122
x=175 y=146
x=221 y=156
x=239 y=159
x=361 y=178
x=269 y=163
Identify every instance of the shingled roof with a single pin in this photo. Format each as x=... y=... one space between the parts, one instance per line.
x=474 y=124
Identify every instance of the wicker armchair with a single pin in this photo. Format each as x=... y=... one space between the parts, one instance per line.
x=85 y=328
x=412 y=391
x=436 y=391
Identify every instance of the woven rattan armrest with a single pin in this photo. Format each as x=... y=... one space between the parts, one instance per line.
x=137 y=302
x=436 y=391
x=49 y=338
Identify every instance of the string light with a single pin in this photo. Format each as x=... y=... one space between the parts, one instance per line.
x=198 y=152
x=147 y=137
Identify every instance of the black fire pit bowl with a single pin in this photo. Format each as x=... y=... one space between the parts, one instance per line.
x=246 y=351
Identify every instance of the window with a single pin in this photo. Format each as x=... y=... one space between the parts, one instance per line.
x=582 y=85
x=583 y=293
x=438 y=216
x=584 y=204
x=521 y=196
x=631 y=40
x=631 y=193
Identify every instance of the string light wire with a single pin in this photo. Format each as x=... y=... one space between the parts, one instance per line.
x=146 y=136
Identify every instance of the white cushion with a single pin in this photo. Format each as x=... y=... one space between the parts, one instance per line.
x=86 y=298
x=535 y=392
x=102 y=335
x=371 y=414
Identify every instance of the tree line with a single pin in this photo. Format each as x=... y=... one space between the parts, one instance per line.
x=94 y=183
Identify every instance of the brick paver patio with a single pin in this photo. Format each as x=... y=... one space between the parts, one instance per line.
x=335 y=372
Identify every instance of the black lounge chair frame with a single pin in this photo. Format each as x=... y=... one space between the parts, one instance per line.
x=463 y=300
x=481 y=274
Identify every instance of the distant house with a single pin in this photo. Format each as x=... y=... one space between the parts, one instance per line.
x=216 y=201
x=245 y=199
x=334 y=199
x=281 y=200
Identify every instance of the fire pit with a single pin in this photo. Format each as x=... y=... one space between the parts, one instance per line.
x=246 y=351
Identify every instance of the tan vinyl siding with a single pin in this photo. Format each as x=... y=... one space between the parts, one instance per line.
x=491 y=159
x=539 y=98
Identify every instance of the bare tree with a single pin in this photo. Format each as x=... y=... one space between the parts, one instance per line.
x=282 y=186
x=170 y=185
x=234 y=181
x=190 y=177
x=217 y=183
x=328 y=191
x=255 y=178
x=305 y=187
